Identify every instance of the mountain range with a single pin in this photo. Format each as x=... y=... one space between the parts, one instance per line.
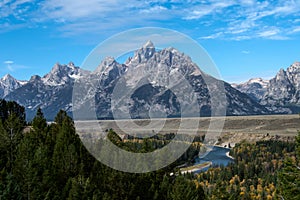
x=54 y=90
x=280 y=94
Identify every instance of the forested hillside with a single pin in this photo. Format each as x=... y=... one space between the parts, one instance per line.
x=264 y=170
x=42 y=161
x=50 y=162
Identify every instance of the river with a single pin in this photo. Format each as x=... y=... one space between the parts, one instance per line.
x=217 y=156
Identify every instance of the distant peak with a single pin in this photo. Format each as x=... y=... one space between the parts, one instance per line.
x=254 y=80
x=296 y=65
x=108 y=61
x=148 y=44
x=144 y=53
x=294 y=68
x=71 y=64
x=7 y=76
x=57 y=64
x=34 y=78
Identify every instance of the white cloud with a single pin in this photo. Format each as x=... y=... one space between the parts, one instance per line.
x=213 y=36
x=155 y=9
x=236 y=19
x=245 y=52
x=8 y=62
x=268 y=33
x=15 y=8
x=11 y=66
x=203 y=10
x=246 y=19
x=295 y=30
x=76 y=9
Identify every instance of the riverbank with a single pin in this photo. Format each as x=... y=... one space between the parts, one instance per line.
x=225 y=147
x=229 y=156
x=195 y=168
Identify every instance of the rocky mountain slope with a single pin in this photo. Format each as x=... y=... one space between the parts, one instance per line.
x=155 y=82
x=281 y=94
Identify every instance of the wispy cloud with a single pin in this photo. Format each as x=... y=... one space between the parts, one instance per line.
x=295 y=30
x=247 y=19
x=11 y=66
x=213 y=36
x=203 y=10
x=235 y=19
x=155 y=9
x=245 y=52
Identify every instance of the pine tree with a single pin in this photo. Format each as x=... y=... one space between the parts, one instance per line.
x=185 y=189
x=66 y=154
x=39 y=122
x=12 y=134
x=289 y=177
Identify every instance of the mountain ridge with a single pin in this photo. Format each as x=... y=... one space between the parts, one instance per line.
x=54 y=90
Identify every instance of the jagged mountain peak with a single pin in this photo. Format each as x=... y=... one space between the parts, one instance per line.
x=7 y=84
x=8 y=77
x=143 y=54
x=258 y=80
x=71 y=64
x=62 y=74
x=148 y=44
x=168 y=58
x=108 y=61
x=107 y=64
x=255 y=87
x=281 y=75
x=294 y=68
x=35 y=78
x=296 y=64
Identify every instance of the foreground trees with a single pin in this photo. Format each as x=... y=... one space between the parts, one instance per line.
x=50 y=162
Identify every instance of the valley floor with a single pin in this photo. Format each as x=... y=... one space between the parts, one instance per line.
x=235 y=129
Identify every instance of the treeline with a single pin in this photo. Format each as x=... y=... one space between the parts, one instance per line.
x=264 y=170
x=44 y=161
x=158 y=141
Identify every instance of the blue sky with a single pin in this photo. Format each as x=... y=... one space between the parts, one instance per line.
x=245 y=38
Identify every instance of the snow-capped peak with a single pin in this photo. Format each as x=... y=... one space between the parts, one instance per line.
x=7 y=84
x=260 y=81
x=8 y=77
x=294 y=68
x=143 y=54
x=71 y=64
x=62 y=74
x=148 y=44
